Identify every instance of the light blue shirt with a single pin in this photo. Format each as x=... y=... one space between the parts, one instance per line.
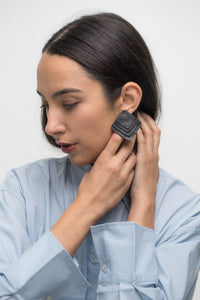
x=118 y=260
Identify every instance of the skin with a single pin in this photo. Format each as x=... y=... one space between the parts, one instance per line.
x=88 y=123
x=85 y=117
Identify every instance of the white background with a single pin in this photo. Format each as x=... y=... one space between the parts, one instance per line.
x=172 y=32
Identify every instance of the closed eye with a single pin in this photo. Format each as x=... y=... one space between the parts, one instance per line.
x=70 y=106
x=65 y=106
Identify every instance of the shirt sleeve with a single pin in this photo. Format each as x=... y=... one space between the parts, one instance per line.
x=32 y=270
x=134 y=267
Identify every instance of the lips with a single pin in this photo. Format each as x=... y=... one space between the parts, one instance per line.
x=67 y=148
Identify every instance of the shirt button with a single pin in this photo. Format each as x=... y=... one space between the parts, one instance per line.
x=104 y=267
x=48 y=298
x=95 y=261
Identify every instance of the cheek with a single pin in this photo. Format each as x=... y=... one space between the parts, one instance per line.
x=93 y=131
x=93 y=127
x=95 y=134
x=97 y=124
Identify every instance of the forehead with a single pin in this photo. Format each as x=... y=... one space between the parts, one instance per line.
x=56 y=65
x=57 y=72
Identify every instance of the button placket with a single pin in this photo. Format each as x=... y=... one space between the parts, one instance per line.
x=104 y=267
x=94 y=260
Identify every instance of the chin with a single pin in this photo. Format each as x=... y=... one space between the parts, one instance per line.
x=80 y=161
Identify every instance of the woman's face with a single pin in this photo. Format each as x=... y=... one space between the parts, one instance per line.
x=79 y=116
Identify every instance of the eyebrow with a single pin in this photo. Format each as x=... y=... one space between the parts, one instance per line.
x=62 y=92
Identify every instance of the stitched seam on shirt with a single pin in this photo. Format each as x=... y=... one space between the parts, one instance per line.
x=13 y=172
x=97 y=228
x=178 y=182
x=3 y=189
x=22 y=193
x=19 y=201
x=152 y=279
x=18 y=180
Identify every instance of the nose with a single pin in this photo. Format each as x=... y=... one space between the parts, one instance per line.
x=55 y=123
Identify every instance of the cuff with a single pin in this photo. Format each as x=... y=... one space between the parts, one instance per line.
x=44 y=269
x=126 y=252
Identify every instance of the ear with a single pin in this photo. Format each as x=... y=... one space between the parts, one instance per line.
x=131 y=95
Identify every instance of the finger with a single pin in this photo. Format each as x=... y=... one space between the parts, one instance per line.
x=127 y=168
x=130 y=162
x=140 y=140
x=155 y=129
x=126 y=149
x=113 y=144
x=131 y=177
x=147 y=132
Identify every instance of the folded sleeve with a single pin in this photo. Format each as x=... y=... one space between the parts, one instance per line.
x=134 y=267
x=32 y=270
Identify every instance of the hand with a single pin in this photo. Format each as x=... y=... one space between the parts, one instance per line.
x=105 y=185
x=143 y=189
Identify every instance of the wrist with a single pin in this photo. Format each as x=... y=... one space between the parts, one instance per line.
x=91 y=207
x=142 y=213
x=72 y=227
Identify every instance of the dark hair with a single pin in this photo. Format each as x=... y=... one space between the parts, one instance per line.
x=111 y=51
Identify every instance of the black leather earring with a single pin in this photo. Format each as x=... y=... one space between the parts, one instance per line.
x=126 y=125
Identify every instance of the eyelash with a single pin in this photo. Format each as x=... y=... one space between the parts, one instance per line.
x=66 y=106
x=44 y=106
x=70 y=106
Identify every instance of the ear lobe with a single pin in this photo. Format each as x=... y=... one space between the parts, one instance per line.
x=131 y=95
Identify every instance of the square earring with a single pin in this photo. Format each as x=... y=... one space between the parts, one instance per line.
x=126 y=125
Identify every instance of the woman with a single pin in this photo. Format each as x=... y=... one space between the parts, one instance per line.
x=104 y=222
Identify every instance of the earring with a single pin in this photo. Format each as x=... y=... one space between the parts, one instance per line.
x=126 y=125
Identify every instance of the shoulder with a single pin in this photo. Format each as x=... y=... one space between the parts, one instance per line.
x=176 y=204
x=42 y=166
x=39 y=166
x=33 y=187
x=170 y=185
x=49 y=173
x=30 y=173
